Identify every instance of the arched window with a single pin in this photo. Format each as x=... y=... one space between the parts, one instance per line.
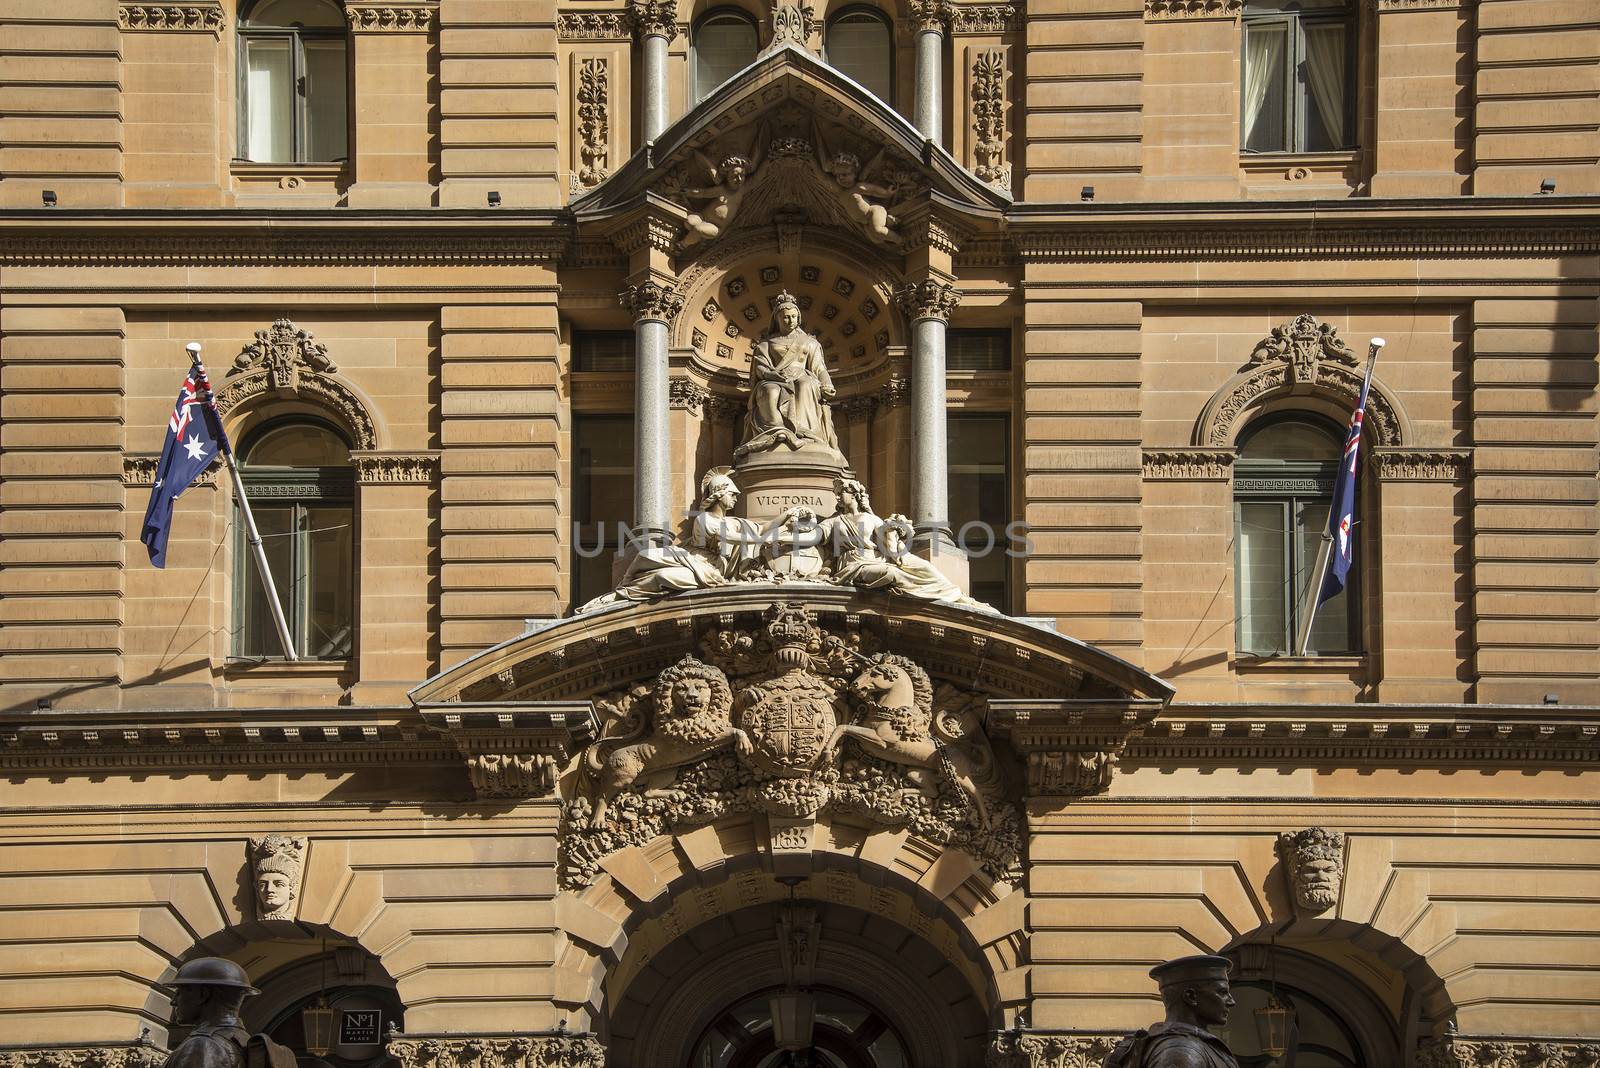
x=293 y=84
x=724 y=43
x=301 y=486
x=1283 y=483
x=857 y=42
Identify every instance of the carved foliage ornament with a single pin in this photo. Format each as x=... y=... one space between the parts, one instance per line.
x=791 y=24
x=928 y=299
x=136 y=1056
x=276 y=863
x=1304 y=344
x=982 y=18
x=1027 y=1049
x=396 y=468
x=1313 y=859
x=652 y=300
x=179 y=18
x=989 y=117
x=929 y=16
x=593 y=26
x=391 y=18
x=654 y=18
x=794 y=721
x=521 y=1051
x=594 y=124
x=1454 y=1051
x=1159 y=10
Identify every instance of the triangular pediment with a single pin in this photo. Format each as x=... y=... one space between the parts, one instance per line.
x=792 y=115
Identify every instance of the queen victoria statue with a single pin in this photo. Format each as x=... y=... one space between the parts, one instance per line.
x=789 y=388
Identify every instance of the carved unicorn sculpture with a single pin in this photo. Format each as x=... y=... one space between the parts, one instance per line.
x=898 y=724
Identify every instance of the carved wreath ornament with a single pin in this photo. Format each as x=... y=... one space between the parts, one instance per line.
x=796 y=722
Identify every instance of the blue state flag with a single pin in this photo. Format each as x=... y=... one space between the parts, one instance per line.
x=194 y=436
x=1342 y=515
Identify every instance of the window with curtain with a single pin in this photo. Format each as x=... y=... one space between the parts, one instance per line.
x=602 y=499
x=293 y=83
x=857 y=41
x=724 y=43
x=1298 y=83
x=980 y=500
x=1282 y=486
x=301 y=487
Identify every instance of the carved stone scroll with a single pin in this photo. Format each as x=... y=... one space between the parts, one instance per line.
x=175 y=18
x=396 y=468
x=1422 y=465
x=982 y=18
x=1187 y=465
x=593 y=26
x=1162 y=10
x=390 y=17
x=284 y=351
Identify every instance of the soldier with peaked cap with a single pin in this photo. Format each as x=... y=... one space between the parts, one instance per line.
x=210 y=991
x=1195 y=993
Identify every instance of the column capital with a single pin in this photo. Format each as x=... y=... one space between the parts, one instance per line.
x=929 y=16
x=654 y=18
x=931 y=298
x=652 y=299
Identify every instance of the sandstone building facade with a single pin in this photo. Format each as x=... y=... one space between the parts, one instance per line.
x=1099 y=274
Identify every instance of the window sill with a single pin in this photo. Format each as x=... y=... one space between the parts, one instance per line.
x=278 y=668
x=1343 y=664
x=1280 y=173
x=254 y=182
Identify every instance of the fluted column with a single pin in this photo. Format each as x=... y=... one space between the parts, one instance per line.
x=930 y=18
x=654 y=305
x=927 y=306
x=655 y=22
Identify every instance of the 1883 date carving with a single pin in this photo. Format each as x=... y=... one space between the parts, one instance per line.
x=794 y=721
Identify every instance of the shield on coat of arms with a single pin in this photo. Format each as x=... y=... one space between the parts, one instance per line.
x=789 y=720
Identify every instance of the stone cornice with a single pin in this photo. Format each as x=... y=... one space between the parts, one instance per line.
x=1164 y=10
x=1367 y=735
x=513 y=750
x=254 y=245
x=173 y=18
x=391 y=17
x=1401 y=464
x=395 y=468
x=1071 y=746
x=540 y=1050
x=1188 y=465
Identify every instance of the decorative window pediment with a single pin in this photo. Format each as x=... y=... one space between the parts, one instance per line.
x=1304 y=357
x=287 y=361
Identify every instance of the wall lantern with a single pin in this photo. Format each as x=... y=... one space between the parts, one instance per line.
x=1273 y=1018
x=317 y=1020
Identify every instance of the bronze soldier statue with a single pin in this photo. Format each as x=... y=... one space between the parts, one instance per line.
x=210 y=991
x=1195 y=993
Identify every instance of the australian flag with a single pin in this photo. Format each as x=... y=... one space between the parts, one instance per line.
x=1342 y=515
x=194 y=437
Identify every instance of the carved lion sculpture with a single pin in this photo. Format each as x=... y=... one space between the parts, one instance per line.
x=692 y=705
x=898 y=724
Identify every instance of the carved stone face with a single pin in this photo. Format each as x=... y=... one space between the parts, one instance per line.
x=845 y=169
x=691 y=697
x=725 y=493
x=734 y=174
x=1316 y=882
x=274 y=891
x=874 y=681
x=788 y=318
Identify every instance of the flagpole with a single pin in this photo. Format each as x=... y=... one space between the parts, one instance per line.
x=203 y=387
x=1309 y=602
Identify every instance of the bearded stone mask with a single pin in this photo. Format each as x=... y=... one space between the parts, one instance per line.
x=1314 y=861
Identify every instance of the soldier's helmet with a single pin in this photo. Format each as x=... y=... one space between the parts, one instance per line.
x=213 y=971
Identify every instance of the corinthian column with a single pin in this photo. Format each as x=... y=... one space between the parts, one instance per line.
x=654 y=305
x=927 y=306
x=655 y=22
x=929 y=18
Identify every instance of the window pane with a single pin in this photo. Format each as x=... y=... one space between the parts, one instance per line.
x=602 y=497
x=1264 y=105
x=858 y=45
x=258 y=635
x=603 y=350
x=723 y=46
x=1330 y=630
x=1291 y=440
x=269 y=100
x=978 y=350
x=1325 y=69
x=1263 y=578
x=308 y=13
x=327 y=138
x=980 y=501
x=328 y=615
x=298 y=445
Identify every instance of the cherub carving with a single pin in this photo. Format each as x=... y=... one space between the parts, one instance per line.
x=729 y=184
x=692 y=707
x=853 y=184
x=897 y=723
